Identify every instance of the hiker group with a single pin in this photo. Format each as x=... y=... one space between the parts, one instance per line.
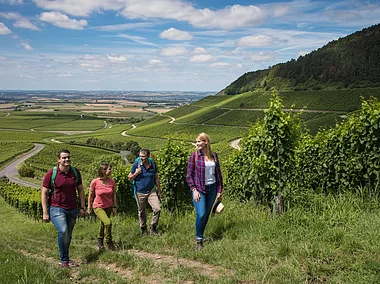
x=63 y=183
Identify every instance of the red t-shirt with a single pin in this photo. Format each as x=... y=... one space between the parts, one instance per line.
x=103 y=193
x=65 y=188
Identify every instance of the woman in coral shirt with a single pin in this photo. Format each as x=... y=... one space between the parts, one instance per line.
x=104 y=190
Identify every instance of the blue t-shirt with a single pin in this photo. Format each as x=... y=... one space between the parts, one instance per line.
x=145 y=181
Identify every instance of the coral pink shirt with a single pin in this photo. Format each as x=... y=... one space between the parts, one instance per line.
x=103 y=193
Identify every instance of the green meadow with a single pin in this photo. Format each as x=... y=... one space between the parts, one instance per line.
x=334 y=239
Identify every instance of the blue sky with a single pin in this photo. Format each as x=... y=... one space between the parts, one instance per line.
x=162 y=45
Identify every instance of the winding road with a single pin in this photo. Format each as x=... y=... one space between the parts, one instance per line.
x=10 y=171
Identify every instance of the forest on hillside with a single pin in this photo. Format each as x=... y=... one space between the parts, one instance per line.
x=349 y=62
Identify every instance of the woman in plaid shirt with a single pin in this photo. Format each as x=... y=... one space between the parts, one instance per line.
x=205 y=181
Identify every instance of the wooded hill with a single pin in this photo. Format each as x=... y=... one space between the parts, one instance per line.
x=349 y=62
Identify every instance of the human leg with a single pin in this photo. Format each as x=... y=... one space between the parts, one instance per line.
x=142 y=200
x=105 y=223
x=202 y=210
x=64 y=221
x=154 y=202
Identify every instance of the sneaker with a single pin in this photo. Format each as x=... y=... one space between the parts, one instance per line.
x=100 y=244
x=65 y=264
x=110 y=246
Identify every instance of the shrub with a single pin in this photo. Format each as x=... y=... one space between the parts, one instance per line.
x=26 y=171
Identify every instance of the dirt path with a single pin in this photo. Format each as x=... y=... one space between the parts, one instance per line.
x=210 y=271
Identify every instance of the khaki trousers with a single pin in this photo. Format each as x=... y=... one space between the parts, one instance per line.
x=154 y=202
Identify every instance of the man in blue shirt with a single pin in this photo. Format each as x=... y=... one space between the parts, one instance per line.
x=145 y=175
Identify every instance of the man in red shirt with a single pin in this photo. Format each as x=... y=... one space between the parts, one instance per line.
x=59 y=203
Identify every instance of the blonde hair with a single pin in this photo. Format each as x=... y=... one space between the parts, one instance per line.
x=206 y=138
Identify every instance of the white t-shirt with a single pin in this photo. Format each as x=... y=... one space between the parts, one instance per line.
x=210 y=172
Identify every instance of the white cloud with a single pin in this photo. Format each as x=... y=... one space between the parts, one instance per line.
x=174 y=51
x=26 y=46
x=137 y=39
x=202 y=58
x=228 y=18
x=11 y=16
x=80 y=8
x=4 y=30
x=26 y=25
x=174 y=34
x=63 y=21
x=122 y=27
x=263 y=56
x=255 y=41
x=155 y=61
x=220 y=65
x=11 y=2
x=65 y=75
x=115 y=59
x=200 y=50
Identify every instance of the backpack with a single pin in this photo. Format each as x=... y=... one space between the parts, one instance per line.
x=54 y=175
x=139 y=164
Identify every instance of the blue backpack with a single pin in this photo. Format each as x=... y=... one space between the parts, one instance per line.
x=139 y=164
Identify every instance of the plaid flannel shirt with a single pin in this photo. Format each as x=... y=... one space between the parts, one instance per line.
x=195 y=176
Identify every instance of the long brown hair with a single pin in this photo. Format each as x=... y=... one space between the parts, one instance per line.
x=102 y=168
x=206 y=138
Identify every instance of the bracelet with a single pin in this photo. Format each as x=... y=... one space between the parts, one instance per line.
x=194 y=189
x=114 y=206
x=82 y=208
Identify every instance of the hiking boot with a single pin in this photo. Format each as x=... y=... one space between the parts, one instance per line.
x=143 y=231
x=65 y=264
x=153 y=231
x=199 y=245
x=110 y=245
x=100 y=244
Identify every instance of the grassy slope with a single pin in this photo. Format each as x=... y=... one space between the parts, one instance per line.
x=338 y=243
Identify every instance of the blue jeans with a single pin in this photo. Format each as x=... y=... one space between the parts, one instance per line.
x=64 y=221
x=203 y=209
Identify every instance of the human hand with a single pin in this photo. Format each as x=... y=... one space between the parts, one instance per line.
x=45 y=218
x=89 y=211
x=219 y=196
x=196 y=195
x=82 y=212
x=114 y=211
x=138 y=171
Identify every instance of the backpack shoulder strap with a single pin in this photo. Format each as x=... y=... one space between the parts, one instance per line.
x=53 y=176
x=75 y=173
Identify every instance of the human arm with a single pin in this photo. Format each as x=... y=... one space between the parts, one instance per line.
x=91 y=197
x=190 y=177
x=158 y=185
x=219 y=178
x=114 y=200
x=44 y=203
x=135 y=171
x=80 y=190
